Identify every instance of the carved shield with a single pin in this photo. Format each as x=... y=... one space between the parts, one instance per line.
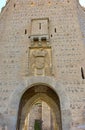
x=40 y=62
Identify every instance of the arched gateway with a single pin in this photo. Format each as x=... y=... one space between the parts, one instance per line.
x=39 y=102
x=39 y=107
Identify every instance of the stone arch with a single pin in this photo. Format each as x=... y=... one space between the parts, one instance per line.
x=38 y=97
x=32 y=81
x=43 y=97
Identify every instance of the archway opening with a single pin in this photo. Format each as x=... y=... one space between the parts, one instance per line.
x=39 y=109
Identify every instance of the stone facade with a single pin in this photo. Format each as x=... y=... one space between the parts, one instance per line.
x=42 y=43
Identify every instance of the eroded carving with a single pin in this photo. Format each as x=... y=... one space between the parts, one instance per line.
x=40 y=61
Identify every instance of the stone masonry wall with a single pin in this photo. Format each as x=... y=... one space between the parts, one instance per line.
x=67 y=50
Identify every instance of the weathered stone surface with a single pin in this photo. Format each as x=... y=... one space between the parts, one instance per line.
x=62 y=38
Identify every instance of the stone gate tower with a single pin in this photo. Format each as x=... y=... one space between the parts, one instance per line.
x=42 y=64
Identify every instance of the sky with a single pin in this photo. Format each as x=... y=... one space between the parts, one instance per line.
x=82 y=2
x=2 y=3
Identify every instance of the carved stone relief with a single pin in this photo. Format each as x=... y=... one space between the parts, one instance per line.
x=40 y=61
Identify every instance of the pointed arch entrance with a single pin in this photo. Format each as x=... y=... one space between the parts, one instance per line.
x=30 y=83
x=39 y=107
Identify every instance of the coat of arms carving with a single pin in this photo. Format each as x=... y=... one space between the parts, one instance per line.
x=40 y=61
